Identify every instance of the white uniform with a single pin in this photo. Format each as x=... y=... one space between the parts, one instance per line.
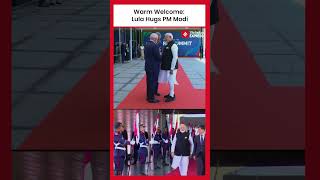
x=181 y=161
x=165 y=76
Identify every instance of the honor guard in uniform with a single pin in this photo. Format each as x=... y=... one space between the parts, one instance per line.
x=119 y=148
x=165 y=144
x=156 y=147
x=143 y=149
x=181 y=150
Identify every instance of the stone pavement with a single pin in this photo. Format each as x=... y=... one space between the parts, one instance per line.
x=274 y=32
x=195 y=68
x=52 y=48
x=128 y=75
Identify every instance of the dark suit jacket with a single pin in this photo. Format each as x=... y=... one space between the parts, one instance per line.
x=125 y=134
x=152 y=56
x=198 y=147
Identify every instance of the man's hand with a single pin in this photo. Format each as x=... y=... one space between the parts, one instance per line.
x=171 y=72
x=194 y=157
x=172 y=154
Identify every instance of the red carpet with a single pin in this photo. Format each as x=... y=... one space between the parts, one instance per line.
x=248 y=113
x=186 y=96
x=80 y=119
x=192 y=170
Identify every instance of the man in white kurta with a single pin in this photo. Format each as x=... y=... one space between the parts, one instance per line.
x=181 y=150
x=169 y=65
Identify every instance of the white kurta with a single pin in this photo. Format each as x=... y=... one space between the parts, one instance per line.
x=181 y=161
x=164 y=75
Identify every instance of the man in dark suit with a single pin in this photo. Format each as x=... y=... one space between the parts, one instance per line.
x=199 y=150
x=152 y=65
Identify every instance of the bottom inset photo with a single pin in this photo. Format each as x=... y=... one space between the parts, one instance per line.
x=159 y=143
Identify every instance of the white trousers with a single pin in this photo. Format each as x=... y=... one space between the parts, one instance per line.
x=166 y=77
x=182 y=162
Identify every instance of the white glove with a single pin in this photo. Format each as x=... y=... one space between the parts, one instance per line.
x=152 y=142
x=132 y=142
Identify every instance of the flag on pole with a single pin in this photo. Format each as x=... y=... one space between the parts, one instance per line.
x=156 y=124
x=177 y=125
x=193 y=130
x=170 y=125
x=137 y=127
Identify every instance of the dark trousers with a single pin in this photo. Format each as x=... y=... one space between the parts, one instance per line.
x=150 y=85
x=165 y=149
x=200 y=164
x=156 y=153
x=135 y=153
x=156 y=84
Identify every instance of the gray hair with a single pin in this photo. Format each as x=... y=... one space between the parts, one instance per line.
x=159 y=35
x=153 y=37
x=169 y=34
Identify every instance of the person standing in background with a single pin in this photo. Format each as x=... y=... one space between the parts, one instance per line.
x=199 y=150
x=143 y=149
x=165 y=145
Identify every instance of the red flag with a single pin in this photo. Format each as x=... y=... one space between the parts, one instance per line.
x=156 y=124
x=136 y=125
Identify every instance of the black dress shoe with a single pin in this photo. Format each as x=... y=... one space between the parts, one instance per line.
x=157 y=94
x=153 y=100
x=169 y=99
x=168 y=95
x=58 y=2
